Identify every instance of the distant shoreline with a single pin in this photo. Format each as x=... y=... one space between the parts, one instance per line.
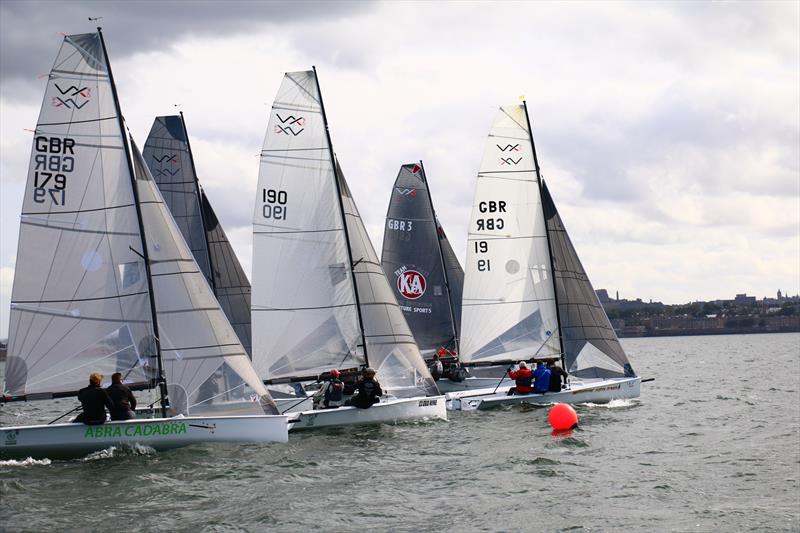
x=696 y=332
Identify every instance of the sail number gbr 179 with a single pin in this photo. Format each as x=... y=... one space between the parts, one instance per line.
x=53 y=162
x=274 y=204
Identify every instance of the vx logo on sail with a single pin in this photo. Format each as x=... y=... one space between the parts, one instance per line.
x=166 y=158
x=510 y=161
x=166 y=172
x=408 y=193
x=72 y=97
x=290 y=125
x=508 y=148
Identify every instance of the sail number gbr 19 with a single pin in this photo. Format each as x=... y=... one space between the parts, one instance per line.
x=274 y=204
x=491 y=219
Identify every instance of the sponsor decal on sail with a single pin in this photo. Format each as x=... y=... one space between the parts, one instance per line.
x=411 y=284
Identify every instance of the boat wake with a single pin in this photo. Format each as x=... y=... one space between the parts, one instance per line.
x=25 y=462
x=619 y=403
x=120 y=451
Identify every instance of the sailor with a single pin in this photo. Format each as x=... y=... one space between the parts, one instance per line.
x=122 y=398
x=523 y=379
x=556 y=376
x=369 y=390
x=333 y=391
x=94 y=401
x=436 y=368
x=541 y=379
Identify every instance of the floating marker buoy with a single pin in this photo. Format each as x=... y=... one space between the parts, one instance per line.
x=562 y=416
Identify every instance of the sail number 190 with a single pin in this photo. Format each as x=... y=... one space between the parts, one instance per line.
x=274 y=204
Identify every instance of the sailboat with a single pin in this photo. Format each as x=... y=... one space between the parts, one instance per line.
x=418 y=258
x=526 y=295
x=168 y=154
x=320 y=298
x=169 y=157
x=105 y=283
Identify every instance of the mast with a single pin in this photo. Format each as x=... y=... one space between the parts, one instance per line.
x=441 y=259
x=547 y=234
x=344 y=218
x=211 y=279
x=145 y=255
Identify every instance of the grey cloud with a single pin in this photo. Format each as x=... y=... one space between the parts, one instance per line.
x=143 y=25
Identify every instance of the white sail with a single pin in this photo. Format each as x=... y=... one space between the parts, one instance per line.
x=206 y=367
x=80 y=300
x=509 y=309
x=304 y=312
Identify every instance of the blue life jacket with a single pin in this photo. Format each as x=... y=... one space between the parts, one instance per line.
x=541 y=377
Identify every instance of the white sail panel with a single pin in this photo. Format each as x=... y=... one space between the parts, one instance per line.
x=509 y=309
x=391 y=348
x=206 y=367
x=80 y=299
x=303 y=305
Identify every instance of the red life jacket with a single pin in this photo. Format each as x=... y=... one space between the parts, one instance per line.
x=524 y=380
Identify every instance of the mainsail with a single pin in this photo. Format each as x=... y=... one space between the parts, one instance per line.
x=420 y=262
x=168 y=155
x=307 y=276
x=96 y=243
x=509 y=308
x=591 y=348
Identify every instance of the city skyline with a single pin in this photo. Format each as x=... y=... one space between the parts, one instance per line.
x=668 y=133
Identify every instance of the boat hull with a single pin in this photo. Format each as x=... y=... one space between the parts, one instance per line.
x=294 y=405
x=600 y=391
x=75 y=440
x=469 y=384
x=388 y=412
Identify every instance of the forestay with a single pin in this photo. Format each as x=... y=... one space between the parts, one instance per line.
x=168 y=155
x=80 y=297
x=391 y=348
x=412 y=259
x=304 y=313
x=509 y=309
x=591 y=347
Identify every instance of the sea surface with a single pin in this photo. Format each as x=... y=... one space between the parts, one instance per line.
x=713 y=444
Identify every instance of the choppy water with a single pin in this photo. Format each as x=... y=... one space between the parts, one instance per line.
x=713 y=444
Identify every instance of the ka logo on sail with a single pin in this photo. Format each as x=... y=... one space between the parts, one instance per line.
x=411 y=284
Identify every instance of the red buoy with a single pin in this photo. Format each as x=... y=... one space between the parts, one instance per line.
x=562 y=416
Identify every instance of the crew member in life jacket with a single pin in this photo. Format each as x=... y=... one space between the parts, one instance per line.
x=332 y=392
x=556 y=376
x=523 y=378
x=94 y=401
x=369 y=391
x=436 y=368
x=541 y=377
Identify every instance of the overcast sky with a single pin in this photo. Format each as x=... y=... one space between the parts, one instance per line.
x=669 y=133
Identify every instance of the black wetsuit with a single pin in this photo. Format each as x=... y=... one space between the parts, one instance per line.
x=94 y=400
x=123 y=400
x=556 y=375
x=369 y=392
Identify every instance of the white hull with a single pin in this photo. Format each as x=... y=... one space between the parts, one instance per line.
x=470 y=384
x=388 y=412
x=75 y=440
x=595 y=391
x=294 y=405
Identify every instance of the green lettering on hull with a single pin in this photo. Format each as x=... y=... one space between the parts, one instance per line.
x=137 y=430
